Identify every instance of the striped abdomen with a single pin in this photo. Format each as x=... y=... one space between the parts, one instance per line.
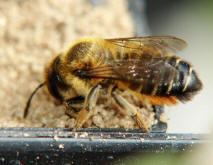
x=170 y=76
x=186 y=83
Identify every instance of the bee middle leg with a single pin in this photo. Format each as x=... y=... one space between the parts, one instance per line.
x=88 y=107
x=130 y=110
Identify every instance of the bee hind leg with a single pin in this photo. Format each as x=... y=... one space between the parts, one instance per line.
x=130 y=110
x=160 y=126
x=88 y=107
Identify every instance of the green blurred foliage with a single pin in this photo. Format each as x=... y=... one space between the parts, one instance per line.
x=153 y=159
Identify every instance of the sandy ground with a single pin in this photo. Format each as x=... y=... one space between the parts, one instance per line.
x=32 y=32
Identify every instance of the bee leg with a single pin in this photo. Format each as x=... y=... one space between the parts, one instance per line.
x=130 y=110
x=161 y=126
x=70 y=110
x=110 y=89
x=109 y=94
x=88 y=108
x=158 y=111
x=73 y=106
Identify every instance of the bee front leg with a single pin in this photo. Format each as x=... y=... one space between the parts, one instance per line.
x=88 y=107
x=130 y=110
x=73 y=106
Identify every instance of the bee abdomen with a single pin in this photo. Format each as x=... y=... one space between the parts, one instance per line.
x=189 y=84
x=184 y=84
x=179 y=79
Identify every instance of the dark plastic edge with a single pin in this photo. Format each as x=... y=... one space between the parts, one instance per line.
x=57 y=145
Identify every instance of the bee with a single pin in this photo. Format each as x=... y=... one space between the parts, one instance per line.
x=145 y=66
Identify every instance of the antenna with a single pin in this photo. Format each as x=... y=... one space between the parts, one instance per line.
x=26 y=109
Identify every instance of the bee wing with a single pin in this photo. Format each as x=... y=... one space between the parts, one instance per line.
x=149 y=72
x=132 y=71
x=157 y=45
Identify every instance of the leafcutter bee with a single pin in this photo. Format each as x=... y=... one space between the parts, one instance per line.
x=145 y=66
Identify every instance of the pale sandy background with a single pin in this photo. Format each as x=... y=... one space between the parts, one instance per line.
x=31 y=34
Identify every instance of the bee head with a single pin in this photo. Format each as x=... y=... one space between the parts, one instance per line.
x=53 y=79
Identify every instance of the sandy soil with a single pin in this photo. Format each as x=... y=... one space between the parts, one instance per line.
x=32 y=32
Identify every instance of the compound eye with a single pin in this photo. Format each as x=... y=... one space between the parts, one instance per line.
x=80 y=73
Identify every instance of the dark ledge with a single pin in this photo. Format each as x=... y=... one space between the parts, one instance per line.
x=61 y=145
